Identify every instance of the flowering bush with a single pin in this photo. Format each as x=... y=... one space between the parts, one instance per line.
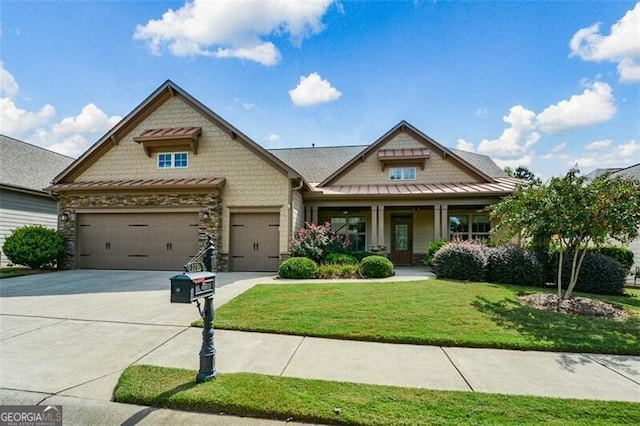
x=317 y=241
x=466 y=260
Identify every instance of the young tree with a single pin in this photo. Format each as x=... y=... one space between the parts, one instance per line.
x=577 y=212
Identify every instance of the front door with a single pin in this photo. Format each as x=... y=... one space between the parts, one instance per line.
x=401 y=241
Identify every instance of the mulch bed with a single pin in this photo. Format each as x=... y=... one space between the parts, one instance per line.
x=582 y=306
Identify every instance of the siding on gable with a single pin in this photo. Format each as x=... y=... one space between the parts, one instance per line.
x=250 y=180
x=18 y=209
x=436 y=170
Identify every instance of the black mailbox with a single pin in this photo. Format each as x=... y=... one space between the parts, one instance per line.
x=189 y=287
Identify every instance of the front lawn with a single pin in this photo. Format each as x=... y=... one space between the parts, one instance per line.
x=326 y=402
x=430 y=312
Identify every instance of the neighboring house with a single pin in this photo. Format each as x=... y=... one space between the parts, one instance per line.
x=146 y=195
x=632 y=172
x=25 y=170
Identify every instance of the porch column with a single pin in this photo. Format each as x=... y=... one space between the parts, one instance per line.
x=445 y=221
x=373 y=242
x=437 y=223
x=314 y=215
x=307 y=214
x=381 y=225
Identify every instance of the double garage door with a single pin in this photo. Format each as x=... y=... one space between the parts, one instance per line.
x=149 y=241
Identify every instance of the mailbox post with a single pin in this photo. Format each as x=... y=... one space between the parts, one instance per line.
x=189 y=287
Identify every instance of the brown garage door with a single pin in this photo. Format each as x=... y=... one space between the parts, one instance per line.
x=151 y=241
x=254 y=241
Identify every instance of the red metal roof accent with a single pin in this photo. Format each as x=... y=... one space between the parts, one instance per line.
x=140 y=184
x=171 y=133
x=404 y=153
x=500 y=187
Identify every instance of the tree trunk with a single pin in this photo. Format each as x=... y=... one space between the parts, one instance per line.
x=575 y=269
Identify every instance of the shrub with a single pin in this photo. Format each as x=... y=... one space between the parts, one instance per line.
x=359 y=255
x=340 y=258
x=333 y=271
x=461 y=261
x=622 y=254
x=434 y=246
x=34 y=246
x=513 y=265
x=317 y=241
x=298 y=268
x=599 y=274
x=376 y=267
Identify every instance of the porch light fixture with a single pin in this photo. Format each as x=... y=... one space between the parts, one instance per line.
x=64 y=216
x=206 y=215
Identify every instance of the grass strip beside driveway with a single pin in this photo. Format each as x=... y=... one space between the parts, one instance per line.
x=282 y=398
x=430 y=312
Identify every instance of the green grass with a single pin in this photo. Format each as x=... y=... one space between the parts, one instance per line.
x=433 y=312
x=284 y=398
x=17 y=271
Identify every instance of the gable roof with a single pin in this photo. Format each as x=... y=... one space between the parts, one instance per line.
x=28 y=167
x=166 y=91
x=597 y=172
x=405 y=127
x=629 y=172
x=481 y=162
x=317 y=163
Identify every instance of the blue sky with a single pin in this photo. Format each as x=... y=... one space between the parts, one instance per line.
x=546 y=84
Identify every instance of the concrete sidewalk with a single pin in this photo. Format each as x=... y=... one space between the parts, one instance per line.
x=64 y=345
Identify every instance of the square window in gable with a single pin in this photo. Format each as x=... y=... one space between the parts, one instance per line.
x=402 y=173
x=173 y=160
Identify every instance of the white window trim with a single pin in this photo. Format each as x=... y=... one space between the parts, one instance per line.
x=403 y=171
x=173 y=160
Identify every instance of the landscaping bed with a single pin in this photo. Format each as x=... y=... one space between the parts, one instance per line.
x=317 y=401
x=430 y=312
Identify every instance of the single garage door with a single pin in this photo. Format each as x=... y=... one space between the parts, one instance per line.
x=254 y=242
x=150 y=241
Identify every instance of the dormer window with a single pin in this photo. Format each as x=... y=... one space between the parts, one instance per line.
x=402 y=173
x=173 y=160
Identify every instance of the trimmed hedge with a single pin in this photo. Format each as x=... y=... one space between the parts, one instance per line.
x=34 y=246
x=298 y=268
x=622 y=254
x=359 y=255
x=513 y=265
x=599 y=274
x=461 y=261
x=340 y=259
x=334 y=271
x=376 y=267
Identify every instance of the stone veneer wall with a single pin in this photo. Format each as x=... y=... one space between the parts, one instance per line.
x=145 y=202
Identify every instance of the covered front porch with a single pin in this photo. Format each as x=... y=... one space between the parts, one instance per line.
x=402 y=230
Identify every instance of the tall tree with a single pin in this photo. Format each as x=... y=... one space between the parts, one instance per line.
x=522 y=172
x=576 y=212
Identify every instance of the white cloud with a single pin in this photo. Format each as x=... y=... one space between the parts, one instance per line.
x=599 y=145
x=595 y=105
x=248 y=106
x=313 y=90
x=69 y=136
x=273 y=138
x=19 y=122
x=522 y=161
x=8 y=84
x=621 y=46
x=481 y=112
x=465 y=146
x=621 y=155
x=226 y=29
x=515 y=140
x=554 y=151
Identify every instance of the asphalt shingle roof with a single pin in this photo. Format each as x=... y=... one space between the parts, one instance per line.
x=630 y=172
x=317 y=163
x=27 y=166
